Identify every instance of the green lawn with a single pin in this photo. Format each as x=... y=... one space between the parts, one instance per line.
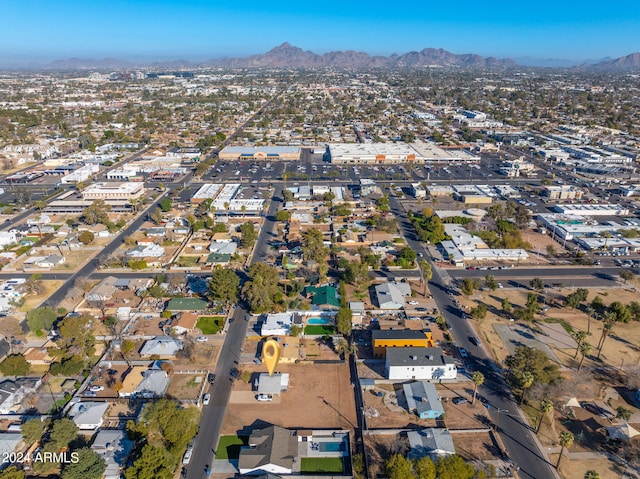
x=186 y=261
x=210 y=324
x=229 y=447
x=321 y=464
x=319 y=330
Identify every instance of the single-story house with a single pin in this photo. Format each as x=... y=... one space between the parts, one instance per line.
x=50 y=261
x=423 y=399
x=275 y=384
x=270 y=450
x=103 y=291
x=432 y=442
x=8 y=442
x=279 y=324
x=419 y=363
x=114 y=447
x=324 y=296
x=185 y=323
x=88 y=415
x=147 y=251
x=161 y=346
x=391 y=295
x=13 y=392
x=223 y=247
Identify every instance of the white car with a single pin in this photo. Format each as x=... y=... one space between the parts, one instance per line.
x=202 y=339
x=206 y=399
x=95 y=389
x=187 y=457
x=264 y=397
x=413 y=303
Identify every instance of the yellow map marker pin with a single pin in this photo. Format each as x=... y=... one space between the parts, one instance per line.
x=271 y=355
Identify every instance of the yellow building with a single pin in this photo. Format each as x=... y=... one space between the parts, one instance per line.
x=383 y=339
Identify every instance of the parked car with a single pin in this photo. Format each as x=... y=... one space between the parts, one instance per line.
x=475 y=341
x=264 y=397
x=459 y=400
x=187 y=456
x=95 y=389
x=211 y=378
x=413 y=303
x=463 y=352
x=202 y=339
x=206 y=399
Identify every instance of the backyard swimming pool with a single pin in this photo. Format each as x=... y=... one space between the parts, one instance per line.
x=331 y=446
x=318 y=321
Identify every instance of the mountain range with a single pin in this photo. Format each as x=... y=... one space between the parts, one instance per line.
x=288 y=56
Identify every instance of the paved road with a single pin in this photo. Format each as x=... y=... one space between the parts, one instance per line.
x=518 y=439
x=213 y=414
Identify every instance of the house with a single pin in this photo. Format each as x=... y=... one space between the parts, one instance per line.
x=432 y=442
x=8 y=443
x=423 y=400
x=419 y=363
x=8 y=237
x=161 y=346
x=13 y=392
x=218 y=259
x=357 y=311
x=186 y=304
x=50 y=261
x=391 y=295
x=103 y=291
x=144 y=382
x=88 y=415
x=279 y=324
x=114 y=447
x=223 y=247
x=271 y=450
x=399 y=338
x=324 y=296
x=185 y=323
x=275 y=384
x=147 y=251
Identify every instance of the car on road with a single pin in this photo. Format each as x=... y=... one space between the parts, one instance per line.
x=474 y=340
x=187 y=457
x=202 y=339
x=463 y=352
x=206 y=399
x=211 y=378
x=264 y=397
x=459 y=400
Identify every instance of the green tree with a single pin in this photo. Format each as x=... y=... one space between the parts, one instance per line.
x=424 y=468
x=153 y=463
x=478 y=380
x=156 y=215
x=248 y=234
x=490 y=282
x=546 y=406
x=580 y=337
x=408 y=255
x=41 y=318
x=525 y=380
x=591 y=474
x=312 y=245
x=531 y=360
x=262 y=290
x=32 y=430
x=574 y=299
x=537 y=284
x=283 y=215
x=12 y=472
x=76 y=336
x=97 y=212
x=623 y=413
x=621 y=312
x=566 y=440
x=63 y=431
x=89 y=466
x=506 y=305
x=86 y=237
x=15 y=365
x=398 y=467
x=343 y=320
x=356 y=273
x=467 y=287
x=479 y=312
x=166 y=204
x=454 y=467
x=224 y=285
x=608 y=323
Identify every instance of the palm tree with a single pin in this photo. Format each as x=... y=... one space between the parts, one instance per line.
x=609 y=319
x=546 y=406
x=590 y=314
x=478 y=378
x=226 y=207
x=591 y=474
x=585 y=349
x=566 y=440
x=526 y=381
x=579 y=336
x=244 y=210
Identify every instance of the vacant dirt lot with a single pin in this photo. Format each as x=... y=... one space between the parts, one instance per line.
x=319 y=396
x=476 y=445
x=185 y=386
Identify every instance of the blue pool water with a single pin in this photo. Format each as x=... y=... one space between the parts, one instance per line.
x=318 y=321
x=331 y=446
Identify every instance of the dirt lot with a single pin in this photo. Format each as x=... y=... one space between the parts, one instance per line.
x=185 y=386
x=571 y=468
x=622 y=347
x=319 y=396
x=476 y=445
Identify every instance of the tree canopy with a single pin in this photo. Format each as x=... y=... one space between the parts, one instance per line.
x=89 y=466
x=223 y=285
x=14 y=365
x=41 y=318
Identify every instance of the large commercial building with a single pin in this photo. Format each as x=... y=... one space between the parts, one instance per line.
x=395 y=153
x=226 y=199
x=250 y=153
x=113 y=191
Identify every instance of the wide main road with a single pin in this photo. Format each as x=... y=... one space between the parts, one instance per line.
x=213 y=414
x=519 y=440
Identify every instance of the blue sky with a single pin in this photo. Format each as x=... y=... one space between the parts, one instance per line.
x=42 y=30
